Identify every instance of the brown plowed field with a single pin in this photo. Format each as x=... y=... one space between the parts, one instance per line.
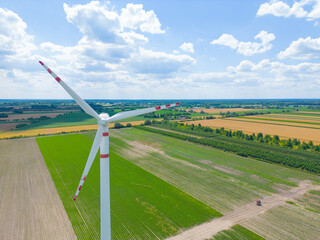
x=30 y=206
x=218 y=110
x=34 y=132
x=9 y=126
x=304 y=134
x=29 y=115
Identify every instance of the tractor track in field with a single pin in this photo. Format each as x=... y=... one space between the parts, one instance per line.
x=209 y=229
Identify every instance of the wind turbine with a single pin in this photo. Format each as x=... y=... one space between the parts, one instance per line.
x=102 y=140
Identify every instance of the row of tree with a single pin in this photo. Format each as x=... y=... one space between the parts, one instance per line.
x=209 y=132
x=305 y=160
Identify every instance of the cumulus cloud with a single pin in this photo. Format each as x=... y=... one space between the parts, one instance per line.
x=247 y=48
x=147 y=61
x=134 y=17
x=282 y=9
x=15 y=42
x=187 y=47
x=226 y=40
x=95 y=21
x=303 y=48
x=264 y=75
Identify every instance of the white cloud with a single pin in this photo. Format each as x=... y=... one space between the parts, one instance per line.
x=147 y=61
x=226 y=40
x=247 y=48
x=282 y=9
x=95 y=21
x=134 y=17
x=187 y=47
x=280 y=79
x=303 y=48
x=106 y=51
x=15 y=43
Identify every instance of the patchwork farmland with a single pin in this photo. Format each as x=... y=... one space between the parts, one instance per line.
x=301 y=126
x=162 y=186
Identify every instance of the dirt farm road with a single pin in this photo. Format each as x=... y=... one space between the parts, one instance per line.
x=209 y=229
x=30 y=206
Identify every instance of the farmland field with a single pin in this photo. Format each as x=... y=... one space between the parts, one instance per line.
x=30 y=206
x=280 y=122
x=46 y=131
x=272 y=128
x=139 y=200
x=290 y=117
x=33 y=115
x=9 y=125
x=218 y=110
x=237 y=232
x=221 y=180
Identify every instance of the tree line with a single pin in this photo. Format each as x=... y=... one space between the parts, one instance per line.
x=304 y=160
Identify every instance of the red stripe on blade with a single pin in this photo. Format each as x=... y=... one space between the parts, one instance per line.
x=105 y=134
x=41 y=63
x=49 y=70
x=104 y=155
x=84 y=178
x=80 y=188
x=158 y=108
x=58 y=79
x=75 y=197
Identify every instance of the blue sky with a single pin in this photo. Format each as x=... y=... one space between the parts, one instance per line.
x=161 y=49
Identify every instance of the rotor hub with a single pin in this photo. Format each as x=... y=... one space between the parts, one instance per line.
x=104 y=117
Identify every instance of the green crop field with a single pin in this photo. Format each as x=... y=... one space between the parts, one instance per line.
x=73 y=119
x=237 y=232
x=215 y=175
x=66 y=120
x=309 y=113
x=143 y=206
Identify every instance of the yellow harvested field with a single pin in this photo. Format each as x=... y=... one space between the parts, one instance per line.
x=285 y=118
x=304 y=134
x=218 y=110
x=276 y=122
x=34 y=132
x=30 y=206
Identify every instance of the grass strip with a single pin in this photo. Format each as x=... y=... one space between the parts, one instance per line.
x=288 y=125
x=281 y=120
x=237 y=232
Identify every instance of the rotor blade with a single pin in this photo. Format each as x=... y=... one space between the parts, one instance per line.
x=75 y=96
x=133 y=113
x=92 y=155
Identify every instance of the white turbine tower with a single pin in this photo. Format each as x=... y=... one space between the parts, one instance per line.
x=101 y=139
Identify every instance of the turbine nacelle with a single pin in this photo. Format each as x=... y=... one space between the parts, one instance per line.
x=103 y=119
